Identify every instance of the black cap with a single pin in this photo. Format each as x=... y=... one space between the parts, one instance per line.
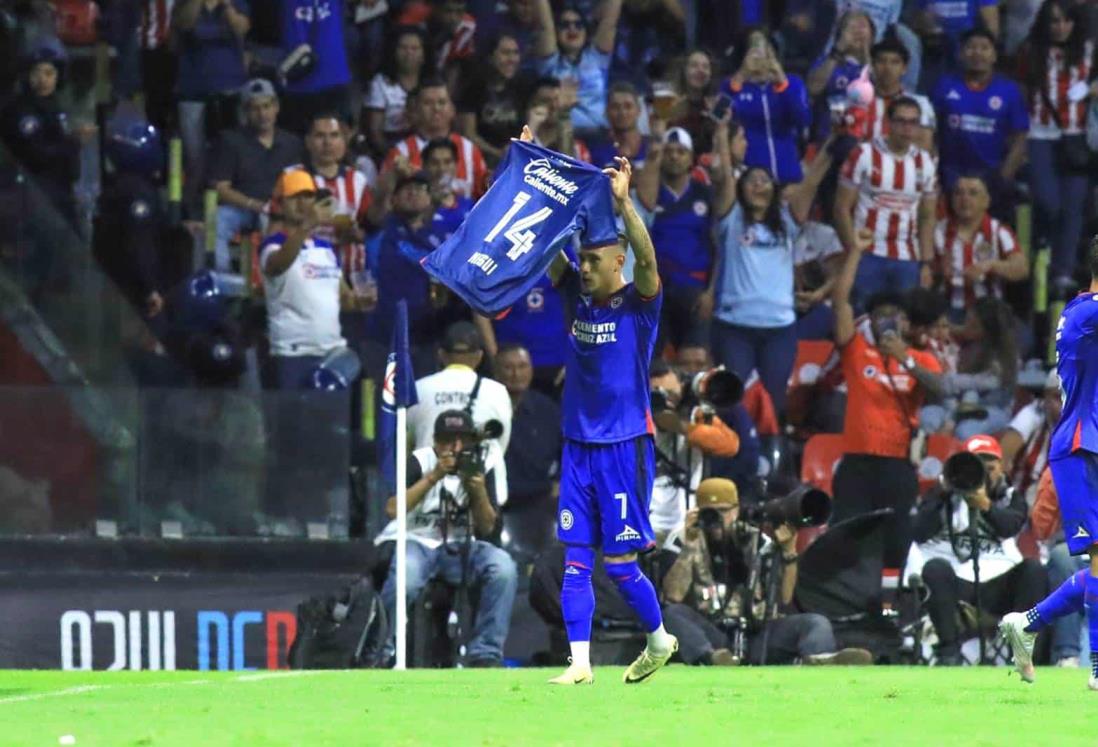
x=454 y=423
x=462 y=337
x=418 y=177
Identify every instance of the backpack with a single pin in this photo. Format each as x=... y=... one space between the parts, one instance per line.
x=345 y=630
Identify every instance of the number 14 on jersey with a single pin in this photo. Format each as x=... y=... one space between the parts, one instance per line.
x=519 y=234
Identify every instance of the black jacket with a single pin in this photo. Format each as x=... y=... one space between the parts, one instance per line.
x=1003 y=520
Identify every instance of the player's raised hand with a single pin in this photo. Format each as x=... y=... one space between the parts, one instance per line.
x=619 y=178
x=527 y=135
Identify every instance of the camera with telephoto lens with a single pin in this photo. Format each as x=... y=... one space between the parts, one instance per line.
x=964 y=472
x=471 y=459
x=805 y=506
x=715 y=387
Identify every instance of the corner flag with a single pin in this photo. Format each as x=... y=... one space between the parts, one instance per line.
x=398 y=390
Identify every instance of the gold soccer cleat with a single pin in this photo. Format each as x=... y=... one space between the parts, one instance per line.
x=648 y=662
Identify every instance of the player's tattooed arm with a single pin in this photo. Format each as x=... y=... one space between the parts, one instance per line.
x=646 y=276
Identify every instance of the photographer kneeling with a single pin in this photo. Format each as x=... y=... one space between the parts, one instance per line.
x=975 y=511
x=688 y=431
x=451 y=506
x=717 y=602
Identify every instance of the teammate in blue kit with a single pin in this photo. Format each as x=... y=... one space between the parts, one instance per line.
x=608 y=462
x=1073 y=458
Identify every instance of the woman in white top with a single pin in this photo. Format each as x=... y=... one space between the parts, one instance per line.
x=383 y=119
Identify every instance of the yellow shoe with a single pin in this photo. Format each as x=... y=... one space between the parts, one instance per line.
x=648 y=662
x=575 y=675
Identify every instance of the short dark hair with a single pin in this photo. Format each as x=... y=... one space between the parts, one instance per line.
x=511 y=347
x=900 y=101
x=431 y=81
x=885 y=298
x=326 y=114
x=979 y=30
x=439 y=143
x=925 y=306
x=1092 y=257
x=890 y=44
x=659 y=367
x=623 y=86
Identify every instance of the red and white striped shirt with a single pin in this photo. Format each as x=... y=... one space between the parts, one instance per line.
x=1059 y=79
x=889 y=190
x=353 y=197
x=461 y=45
x=156 y=18
x=876 y=120
x=471 y=174
x=993 y=241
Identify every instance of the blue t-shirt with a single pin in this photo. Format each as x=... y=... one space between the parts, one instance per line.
x=211 y=57
x=537 y=202
x=845 y=71
x=974 y=125
x=537 y=323
x=610 y=345
x=681 y=233
x=604 y=151
x=318 y=23
x=1077 y=364
x=956 y=16
x=399 y=274
x=447 y=220
x=756 y=282
x=592 y=71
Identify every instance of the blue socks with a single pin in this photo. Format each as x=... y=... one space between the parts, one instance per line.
x=1090 y=599
x=1066 y=599
x=638 y=592
x=577 y=595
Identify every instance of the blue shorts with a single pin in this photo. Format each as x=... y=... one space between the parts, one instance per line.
x=605 y=490
x=1076 y=480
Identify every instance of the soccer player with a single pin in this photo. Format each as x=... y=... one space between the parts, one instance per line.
x=1073 y=458
x=608 y=462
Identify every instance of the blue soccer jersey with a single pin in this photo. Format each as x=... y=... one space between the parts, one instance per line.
x=975 y=124
x=537 y=202
x=606 y=373
x=537 y=323
x=1077 y=364
x=681 y=232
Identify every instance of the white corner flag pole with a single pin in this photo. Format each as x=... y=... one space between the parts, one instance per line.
x=402 y=538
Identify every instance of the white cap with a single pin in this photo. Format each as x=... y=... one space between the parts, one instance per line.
x=681 y=137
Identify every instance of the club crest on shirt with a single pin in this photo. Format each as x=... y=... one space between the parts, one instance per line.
x=29 y=125
x=996 y=103
x=566 y=519
x=140 y=209
x=616 y=301
x=701 y=208
x=869 y=372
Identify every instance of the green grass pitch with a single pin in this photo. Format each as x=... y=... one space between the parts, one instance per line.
x=680 y=705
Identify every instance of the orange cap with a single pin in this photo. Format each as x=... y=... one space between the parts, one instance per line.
x=982 y=444
x=294 y=183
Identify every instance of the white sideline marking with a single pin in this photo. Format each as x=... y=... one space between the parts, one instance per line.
x=52 y=693
x=282 y=674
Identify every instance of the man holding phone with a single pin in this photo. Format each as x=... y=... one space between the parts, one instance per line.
x=303 y=285
x=887 y=382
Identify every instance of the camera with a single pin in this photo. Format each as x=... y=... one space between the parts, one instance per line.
x=471 y=459
x=716 y=387
x=964 y=472
x=805 y=506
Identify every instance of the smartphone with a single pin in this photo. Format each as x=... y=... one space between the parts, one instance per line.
x=720 y=107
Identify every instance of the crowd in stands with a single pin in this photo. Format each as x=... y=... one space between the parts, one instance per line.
x=868 y=211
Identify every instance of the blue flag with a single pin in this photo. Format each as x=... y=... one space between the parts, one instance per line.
x=397 y=390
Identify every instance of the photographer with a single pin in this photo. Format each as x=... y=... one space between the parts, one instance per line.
x=452 y=508
x=716 y=601
x=955 y=522
x=687 y=432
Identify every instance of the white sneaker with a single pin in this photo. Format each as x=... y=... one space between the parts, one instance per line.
x=1013 y=629
x=1068 y=662
x=1092 y=683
